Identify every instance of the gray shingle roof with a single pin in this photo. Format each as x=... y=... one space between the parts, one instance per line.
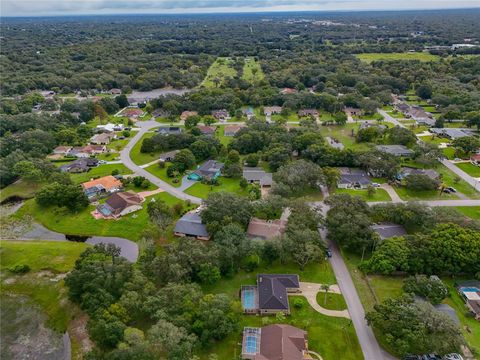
x=257 y=174
x=361 y=179
x=191 y=224
x=397 y=150
x=388 y=230
x=272 y=290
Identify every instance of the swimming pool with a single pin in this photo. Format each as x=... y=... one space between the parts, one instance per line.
x=251 y=344
x=248 y=300
x=469 y=289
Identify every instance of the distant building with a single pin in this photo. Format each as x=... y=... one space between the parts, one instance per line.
x=102 y=139
x=115 y=91
x=133 y=113
x=475 y=159
x=451 y=133
x=353 y=111
x=207 y=130
x=387 y=230
x=221 y=115
x=209 y=170
x=109 y=127
x=287 y=91
x=272 y=110
x=120 y=204
x=366 y=125
x=308 y=112
x=62 y=150
x=79 y=165
x=355 y=180
x=191 y=225
x=232 y=130
x=396 y=150
x=406 y=171
x=470 y=292
x=275 y=342
x=169 y=130
x=265 y=229
x=168 y=156
x=248 y=112
x=186 y=114
x=259 y=176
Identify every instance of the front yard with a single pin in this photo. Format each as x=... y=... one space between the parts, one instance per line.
x=379 y=195
x=470 y=169
x=225 y=184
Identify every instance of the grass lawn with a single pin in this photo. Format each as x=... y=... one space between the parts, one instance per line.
x=219 y=71
x=99 y=171
x=118 y=144
x=409 y=194
x=42 y=256
x=325 y=116
x=293 y=116
x=435 y=140
x=140 y=158
x=252 y=71
x=379 y=195
x=420 y=56
x=161 y=173
x=449 y=152
x=220 y=134
x=396 y=114
x=328 y=336
x=332 y=301
x=470 y=169
x=472 y=212
x=343 y=133
x=21 y=188
x=83 y=223
x=226 y=184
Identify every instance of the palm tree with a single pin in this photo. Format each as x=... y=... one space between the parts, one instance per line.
x=325 y=287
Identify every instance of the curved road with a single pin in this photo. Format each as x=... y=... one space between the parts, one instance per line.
x=145 y=126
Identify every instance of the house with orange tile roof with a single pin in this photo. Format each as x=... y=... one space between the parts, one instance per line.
x=101 y=186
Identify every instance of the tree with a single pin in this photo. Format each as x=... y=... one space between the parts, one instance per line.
x=28 y=171
x=429 y=287
x=233 y=245
x=192 y=121
x=392 y=255
x=424 y=91
x=121 y=101
x=428 y=154
x=184 y=160
x=421 y=182
x=415 y=327
x=401 y=136
x=467 y=144
x=58 y=194
x=297 y=177
x=303 y=246
x=174 y=340
x=326 y=288
x=202 y=150
x=379 y=164
x=252 y=160
x=160 y=213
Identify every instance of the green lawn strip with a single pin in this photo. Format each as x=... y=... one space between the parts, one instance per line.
x=292 y=116
x=451 y=179
x=54 y=256
x=435 y=140
x=22 y=189
x=411 y=195
x=449 y=152
x=252 y=71
x=331 y=301
x=472 y=212
x=420 y=56
x=325 y=116
x=161 y=173
x=379 y=195
x=99 y=171
x=220 y=134
x=470 y=169
x=140 y=158
x=396 y=114
x=118 y=144
x=226 y=184
x=83 y=223
x=220 y=69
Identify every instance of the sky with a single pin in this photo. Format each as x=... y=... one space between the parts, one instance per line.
x=104 y=7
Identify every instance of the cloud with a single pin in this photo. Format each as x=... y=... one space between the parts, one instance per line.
x=91 y=7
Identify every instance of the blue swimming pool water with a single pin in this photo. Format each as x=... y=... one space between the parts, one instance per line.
x=468 y=289
x=251 y=344
x=249 y=299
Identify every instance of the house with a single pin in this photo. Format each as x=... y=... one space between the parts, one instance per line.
x=221 y=115
x=102 y=139
x=232 y=130
x=308 y=112
x=451 y=133
x=387 y=230
x=207 y=130
x=160 y=113
x=209 y=170
x=354 y=180
x=78 y=152
x=270 y=295
x=168 y=156
x=109 y=127
x=169 y=130
x=115 y=91
x=475 y=159
x=101 y=186
x=365 y=125
x=62 y=150
x=186 y=114
x=287 y=91
x=470 y=292
x=403 y=108
x=248 y=112
x=120 y=204
x=191 y=225
x=275 y=342
x=396 y=150
x=271 y=110
x=265 y=229
x=79 y=165
x=94 y=149
x=406 y=171
x=335 y=143
x=259 y=176
x=353 y=111
x=133 y=113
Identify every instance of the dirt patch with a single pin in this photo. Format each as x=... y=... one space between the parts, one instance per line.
x=9 y=281
x=79 y=334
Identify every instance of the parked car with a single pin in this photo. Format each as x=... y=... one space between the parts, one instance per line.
x=452 y=189
x=102 y=162
x=447 y=191
x=376 y=185
x=329 y=253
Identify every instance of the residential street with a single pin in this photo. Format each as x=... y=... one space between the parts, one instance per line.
x=459 y=172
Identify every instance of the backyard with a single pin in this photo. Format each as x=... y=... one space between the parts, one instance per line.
x=161 y=173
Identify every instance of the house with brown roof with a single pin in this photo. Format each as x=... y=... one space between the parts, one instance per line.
x=308 y=112
x=475 y=159
x=265 y=229
x=271 y=110
x=95 y=149
x=102 y=139
x=287 y=91
x=353 y=111
x=275 y=342
x=120 y=204
x=62 y=150
x=207 y=130
x=133 y=113
x=232 y=130
x=186 y=114
x=168 y=156
x=115 y=91
x=102 y=186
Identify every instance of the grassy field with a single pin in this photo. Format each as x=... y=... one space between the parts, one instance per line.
x=218 y=72
x=380 y=194
x=161 y=173
x=99 y=171
x=220 y=134
x=470 y=169
x=226 y=184
x=252 y=71
x=331 y=301
x=423 y=57
x=21 y=189
x=45 y=259
x=328 y=336
x=345 y=134
x=83 y=223
x=140 y=158
x=472 y=212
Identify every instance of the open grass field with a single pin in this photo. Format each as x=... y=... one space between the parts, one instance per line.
x=328 y=336
x=331 y=301
x=21 y=188
x=218 y=72
x=470 y=169
x=83 y=223
x=423 y=57
x=45 y=259
x=380 y=194
x=345 y=134
x=226 y=184
x=99 y=171
x=140 y=158
x=161 y=173
x=252 y=71
x=472 y=212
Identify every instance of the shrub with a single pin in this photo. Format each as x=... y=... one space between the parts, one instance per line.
x=19 y=269
x=298 y=303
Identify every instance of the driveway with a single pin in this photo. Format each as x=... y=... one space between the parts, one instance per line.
x=391 y=192
x=145 y=126
x=389 y=118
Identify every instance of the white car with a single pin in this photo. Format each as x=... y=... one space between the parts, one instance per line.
x=102 y=162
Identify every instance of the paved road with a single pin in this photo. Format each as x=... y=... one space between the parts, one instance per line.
x=145 y=126
x=389 y=118
x=459 y=172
